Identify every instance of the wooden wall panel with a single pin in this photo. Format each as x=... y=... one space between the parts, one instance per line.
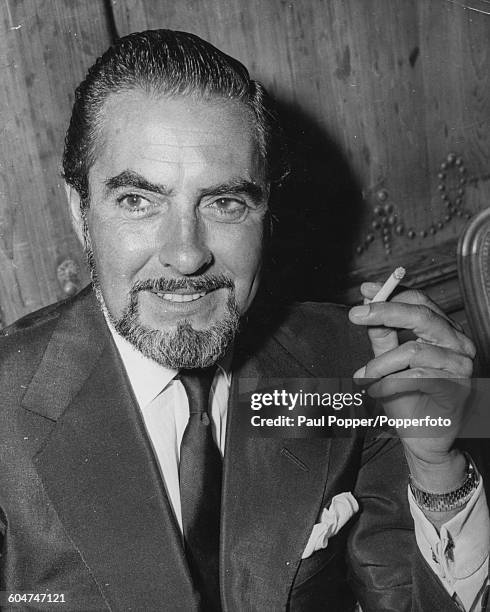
x=374 y=93
x=45 y=49
x=455 y=52
x=396 y=85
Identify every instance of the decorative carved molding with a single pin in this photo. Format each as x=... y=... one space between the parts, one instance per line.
x=386 y=220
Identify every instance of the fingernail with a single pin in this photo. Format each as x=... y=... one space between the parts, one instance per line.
x=371 y=286
x=360 y=372
x=360 y=311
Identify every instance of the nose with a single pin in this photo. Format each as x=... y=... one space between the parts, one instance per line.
x=183 y=245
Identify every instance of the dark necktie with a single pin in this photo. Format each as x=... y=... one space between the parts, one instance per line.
x=200 y=472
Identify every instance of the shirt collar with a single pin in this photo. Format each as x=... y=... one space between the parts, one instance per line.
x=147 y=377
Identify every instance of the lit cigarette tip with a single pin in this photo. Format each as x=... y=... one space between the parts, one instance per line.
x=399 y=273
x=389 y=286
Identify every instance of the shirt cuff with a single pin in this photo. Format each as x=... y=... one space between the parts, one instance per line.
x=458 y=553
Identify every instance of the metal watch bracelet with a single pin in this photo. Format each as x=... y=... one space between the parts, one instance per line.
x=444 y=502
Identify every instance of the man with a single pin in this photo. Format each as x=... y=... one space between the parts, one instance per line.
x=112 y=484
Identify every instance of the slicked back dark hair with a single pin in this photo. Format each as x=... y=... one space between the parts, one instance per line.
x=167 y=63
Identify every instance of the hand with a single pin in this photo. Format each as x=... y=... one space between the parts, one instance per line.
x=424 y=376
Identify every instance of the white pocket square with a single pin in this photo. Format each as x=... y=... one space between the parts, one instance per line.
x=342 y=507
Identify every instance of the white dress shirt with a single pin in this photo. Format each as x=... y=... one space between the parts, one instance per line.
x=458 y=554
x=461 y=566
x=165 y=408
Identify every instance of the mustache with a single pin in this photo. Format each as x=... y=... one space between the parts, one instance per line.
x=206 y=282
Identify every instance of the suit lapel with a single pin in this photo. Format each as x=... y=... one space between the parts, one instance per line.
x=273 y=494
x=100 y=473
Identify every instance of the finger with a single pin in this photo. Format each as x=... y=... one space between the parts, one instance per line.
x=419 y=298
x=369 y=290
x=421 y=380
x=417 y=355
x=422 y=320
x=382 y=338
x=436 y=392
x=408 y=296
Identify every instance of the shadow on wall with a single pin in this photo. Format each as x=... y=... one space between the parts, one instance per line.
x=317 y=215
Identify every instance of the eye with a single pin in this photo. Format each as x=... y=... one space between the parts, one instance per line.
x=229 y=210
x=135 y=204
x=133 y=200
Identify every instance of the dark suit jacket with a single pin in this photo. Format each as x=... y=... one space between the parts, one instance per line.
x=84 y=512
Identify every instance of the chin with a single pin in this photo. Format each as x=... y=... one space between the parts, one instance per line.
x=188 y=344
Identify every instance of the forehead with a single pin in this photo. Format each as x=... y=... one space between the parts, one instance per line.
x=157 y=135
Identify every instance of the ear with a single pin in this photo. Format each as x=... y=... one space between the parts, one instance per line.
x=73 y=198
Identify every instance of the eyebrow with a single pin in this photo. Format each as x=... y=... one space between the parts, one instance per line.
x=129 y=178
x=239 y=186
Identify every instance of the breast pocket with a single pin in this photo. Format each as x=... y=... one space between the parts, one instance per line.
x=318 y=561
x=320 y=583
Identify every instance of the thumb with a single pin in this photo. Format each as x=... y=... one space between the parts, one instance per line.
x=382 y=339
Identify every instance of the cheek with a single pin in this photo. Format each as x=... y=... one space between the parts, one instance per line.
x=240 y=253
x=118 y=252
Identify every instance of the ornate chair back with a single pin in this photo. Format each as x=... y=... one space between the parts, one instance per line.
x=474 y=278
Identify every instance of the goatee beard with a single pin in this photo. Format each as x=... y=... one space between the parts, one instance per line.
x=184 y=346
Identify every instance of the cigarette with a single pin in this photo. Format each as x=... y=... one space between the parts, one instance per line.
x=389 y=286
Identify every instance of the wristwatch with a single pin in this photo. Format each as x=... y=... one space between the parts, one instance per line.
x=443 y=502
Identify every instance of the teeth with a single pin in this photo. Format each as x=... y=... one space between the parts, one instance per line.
x=180 y=297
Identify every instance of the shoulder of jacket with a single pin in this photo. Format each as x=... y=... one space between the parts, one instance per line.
x=27 y=337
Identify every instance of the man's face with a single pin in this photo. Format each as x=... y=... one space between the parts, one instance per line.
x=175 y=223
